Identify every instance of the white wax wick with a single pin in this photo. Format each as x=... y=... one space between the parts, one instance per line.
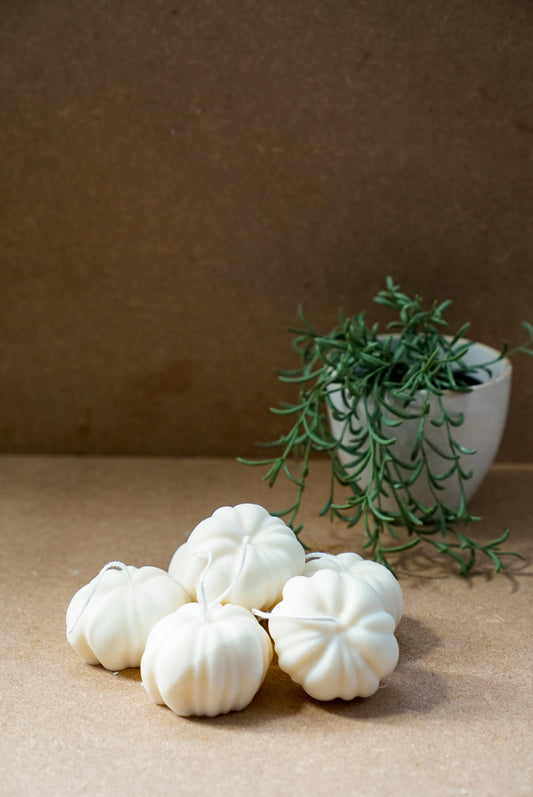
x=202 y=600
x=96 y=584
x=331 y=557
x=296 y=618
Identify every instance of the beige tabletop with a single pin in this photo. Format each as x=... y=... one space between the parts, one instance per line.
x=454 y=718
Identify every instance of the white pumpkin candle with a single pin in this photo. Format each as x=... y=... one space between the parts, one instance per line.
x=206 y=659
x=377 y=575
x=108 y=620
x=333 y=636
x=208 y=663
x=274 y=555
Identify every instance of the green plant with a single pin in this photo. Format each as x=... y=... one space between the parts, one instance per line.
x=388 y=379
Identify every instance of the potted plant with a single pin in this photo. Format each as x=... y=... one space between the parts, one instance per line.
x=411 y=420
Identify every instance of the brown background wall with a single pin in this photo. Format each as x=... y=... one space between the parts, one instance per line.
x=178 y=176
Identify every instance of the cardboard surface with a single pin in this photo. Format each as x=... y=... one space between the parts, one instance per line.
x=454 y=718
x=178 y=176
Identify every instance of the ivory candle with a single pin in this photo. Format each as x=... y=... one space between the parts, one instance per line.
x=108 y=620
x=377 y=575
x=333 y=636
x=273 y=556
x=206 y=660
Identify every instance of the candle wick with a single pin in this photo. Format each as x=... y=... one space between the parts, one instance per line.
x=244 y=549
x=96 y=584
x=200 y=590
x=201 y=582
x=318 y=619
x=309 y=557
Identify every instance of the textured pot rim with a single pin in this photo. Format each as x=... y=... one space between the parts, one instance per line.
x=505 y=362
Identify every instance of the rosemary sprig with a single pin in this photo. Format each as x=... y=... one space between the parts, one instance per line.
x=385 y=381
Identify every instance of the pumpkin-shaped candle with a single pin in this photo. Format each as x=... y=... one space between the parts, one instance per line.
x=108 y=620
x=206 y=660
x=377 y=575
x=274 y=555
x=333 y=636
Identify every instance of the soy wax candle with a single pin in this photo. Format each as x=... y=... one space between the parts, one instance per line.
x=206 y=658
x=333 y=636
x=373 y=573
x=108 y=620
x=274 y=555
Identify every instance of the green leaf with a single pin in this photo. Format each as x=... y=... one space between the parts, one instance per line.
x=455 y=420
x=286 y=410
x=464 y=449
x=419 y=439
x=391 y=422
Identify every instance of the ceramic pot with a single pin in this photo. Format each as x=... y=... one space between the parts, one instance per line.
x=484 y=409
